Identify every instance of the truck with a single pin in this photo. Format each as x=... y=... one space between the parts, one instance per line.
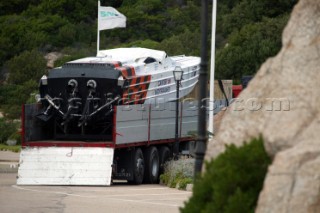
x=108 y=117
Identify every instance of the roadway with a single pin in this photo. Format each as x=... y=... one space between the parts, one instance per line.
x=119 y=197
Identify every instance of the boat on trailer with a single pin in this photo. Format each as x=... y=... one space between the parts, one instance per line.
x=148 y=73
x=81 y=94
x=108 y=116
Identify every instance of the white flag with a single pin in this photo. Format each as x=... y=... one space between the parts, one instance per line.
x=110 y=18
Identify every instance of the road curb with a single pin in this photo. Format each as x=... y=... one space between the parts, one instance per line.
x=9 y=167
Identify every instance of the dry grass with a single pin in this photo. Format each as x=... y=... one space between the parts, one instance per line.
x=15 y=148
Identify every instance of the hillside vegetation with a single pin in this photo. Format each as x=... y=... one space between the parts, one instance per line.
x=248 y=32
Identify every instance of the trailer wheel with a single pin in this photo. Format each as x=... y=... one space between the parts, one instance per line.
x=152 y=165
x=138 y=169
x=164 y=157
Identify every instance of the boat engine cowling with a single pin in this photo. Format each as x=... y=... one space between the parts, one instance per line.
x=78 y=98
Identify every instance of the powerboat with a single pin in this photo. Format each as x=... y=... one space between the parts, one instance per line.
x=82 y=93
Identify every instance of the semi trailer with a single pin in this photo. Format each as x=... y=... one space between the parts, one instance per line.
x=136 y=149
x=108 y=117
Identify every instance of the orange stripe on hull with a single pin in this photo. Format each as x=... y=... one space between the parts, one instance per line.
x=137 y=89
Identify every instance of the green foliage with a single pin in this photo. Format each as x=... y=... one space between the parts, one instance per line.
x=26 y=66
x=74 y=11
x=55 y=24
x=143 y=43
x=232 y=181
x=13 y=96
x=16 y=6
x=25 y=71
x=4 y=147
x=183 y=182
x=176 y=45
x=248 y=32
x=253 y=11
x=7 y=128
x=174 y=180
x=178 y=173
x=248 y=48
x=155 y=20
x=16 y=136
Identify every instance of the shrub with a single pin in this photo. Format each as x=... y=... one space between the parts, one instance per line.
x=13 y=96
x=178 y=172
x=7 y=128
x=143 y=43
x=16 y=136
x=176 y=45
x=28 y=65
x=184 y=182
x=232 y=181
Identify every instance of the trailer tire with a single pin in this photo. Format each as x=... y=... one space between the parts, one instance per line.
x=164 y=157
x=151 y=174
x=138 y=167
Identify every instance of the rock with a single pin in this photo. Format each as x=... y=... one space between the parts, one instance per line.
x=52 y=57
x=189 y=187
x=282 y=104
x=218 y=118
x=11 y=142
x=293 y=181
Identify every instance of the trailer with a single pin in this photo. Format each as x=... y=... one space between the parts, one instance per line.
x=109 y=117
x=140 y=142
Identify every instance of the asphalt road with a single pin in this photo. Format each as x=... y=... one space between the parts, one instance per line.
x=116 y=198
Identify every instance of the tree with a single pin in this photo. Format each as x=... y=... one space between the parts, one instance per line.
x=253 y=11
x=26 y=66
x=248 y=48
x=12 y=97
x=176 y=45
x=16 y=6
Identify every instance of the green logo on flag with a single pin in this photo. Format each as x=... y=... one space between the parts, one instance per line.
x=108 y=14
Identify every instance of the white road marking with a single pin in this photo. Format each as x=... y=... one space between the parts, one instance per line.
x=128 y=195
x=133 y=189
x=112 y=190
x=169 y=199
x=144 y=202
x=113 y=197
x=52 y=192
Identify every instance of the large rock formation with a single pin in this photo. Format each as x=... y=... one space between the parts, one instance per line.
x=290 y=125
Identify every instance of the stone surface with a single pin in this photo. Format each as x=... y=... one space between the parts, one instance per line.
x=218 y=118
x=293 y=181
x=189 y=187
x=51 y=58
x=290 y=80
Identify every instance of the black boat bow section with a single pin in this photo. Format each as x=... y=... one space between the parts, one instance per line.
x=51 y=102
x=78 y=98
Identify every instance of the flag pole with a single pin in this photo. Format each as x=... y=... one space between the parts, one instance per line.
x=98 y=31
x=213 y=44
